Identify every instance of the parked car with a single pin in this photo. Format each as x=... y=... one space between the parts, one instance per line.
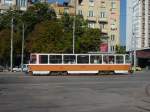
x=137 y=68
x=16 y=69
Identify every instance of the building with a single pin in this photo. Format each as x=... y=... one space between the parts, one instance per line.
x=41 y=1
x=61 y=9
x=138 y=29
x=102 y=14
x=17 y=4
x=134 y=26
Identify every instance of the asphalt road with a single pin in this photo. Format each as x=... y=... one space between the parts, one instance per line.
x=118 y=93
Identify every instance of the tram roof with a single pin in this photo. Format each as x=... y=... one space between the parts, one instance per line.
x=96 y=53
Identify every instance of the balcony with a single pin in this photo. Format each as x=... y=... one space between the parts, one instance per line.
x=103 y=20
x=104 y=31
x=91 y=4
x=4 y=7
x=91 y=18
x=23 y=8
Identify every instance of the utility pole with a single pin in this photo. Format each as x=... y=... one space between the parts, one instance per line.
x=22 y=54
x=74 y=25
x=11 y=42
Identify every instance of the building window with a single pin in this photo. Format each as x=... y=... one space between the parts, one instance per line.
x=112 y=48
x=80 y=2
x=91 y=13
x=66 y=11
x=103 y=5
x=102 y=14
x=8 y=2
x=113 y=5
x=91 y=3
x=22 y=3
x=102 y=26
x=113 y=25
x=112 y=37
x=91 y=25
x=79 y=12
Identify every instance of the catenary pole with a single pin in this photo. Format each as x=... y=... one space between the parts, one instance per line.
x=11 y=42
x=22 y=53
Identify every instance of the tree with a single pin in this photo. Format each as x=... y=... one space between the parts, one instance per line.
x=35 y=14
x=45 y=33
x=120 y=49
x=43 y=12
x=48 y=37
x=89 y=41
x=5 y=25
x=86 y=39
x=67 y=22
x=4 y=46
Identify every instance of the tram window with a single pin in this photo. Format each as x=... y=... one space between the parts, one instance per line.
x=69 y=59
x=111 y=59
x=82 y=59
x=119 y=59
x=43 y=59
x=106 y=59
x=33 y=59
x=127 y=58
x=55 y=59
x=95 y=59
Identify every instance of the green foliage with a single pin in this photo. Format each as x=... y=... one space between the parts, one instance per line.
x=48 y=37
x=120 y=49
x=44 y=12
x=4 y=45
x=89 y=41
x=57 y=37
x=67 y=22
x=81 y=26
x=5 y=20
x=44 y=33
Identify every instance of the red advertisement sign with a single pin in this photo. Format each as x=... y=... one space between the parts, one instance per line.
x=103 y=47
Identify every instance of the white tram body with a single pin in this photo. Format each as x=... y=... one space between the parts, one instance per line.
x=42 y=63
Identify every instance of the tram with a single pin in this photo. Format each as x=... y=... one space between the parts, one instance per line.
x=42 y=63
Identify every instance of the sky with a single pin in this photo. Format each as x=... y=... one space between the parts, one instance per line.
x=122 y=20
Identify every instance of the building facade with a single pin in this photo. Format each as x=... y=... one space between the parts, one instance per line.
x=102 y=14
x=61 y=9
x=17 y=4
x=138 y=28
x=138 y=25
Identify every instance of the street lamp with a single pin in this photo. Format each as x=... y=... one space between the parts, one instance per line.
x=12 y=7
x=22 y=53
x=11 y=52
x=11 y=43
x=74 y=25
